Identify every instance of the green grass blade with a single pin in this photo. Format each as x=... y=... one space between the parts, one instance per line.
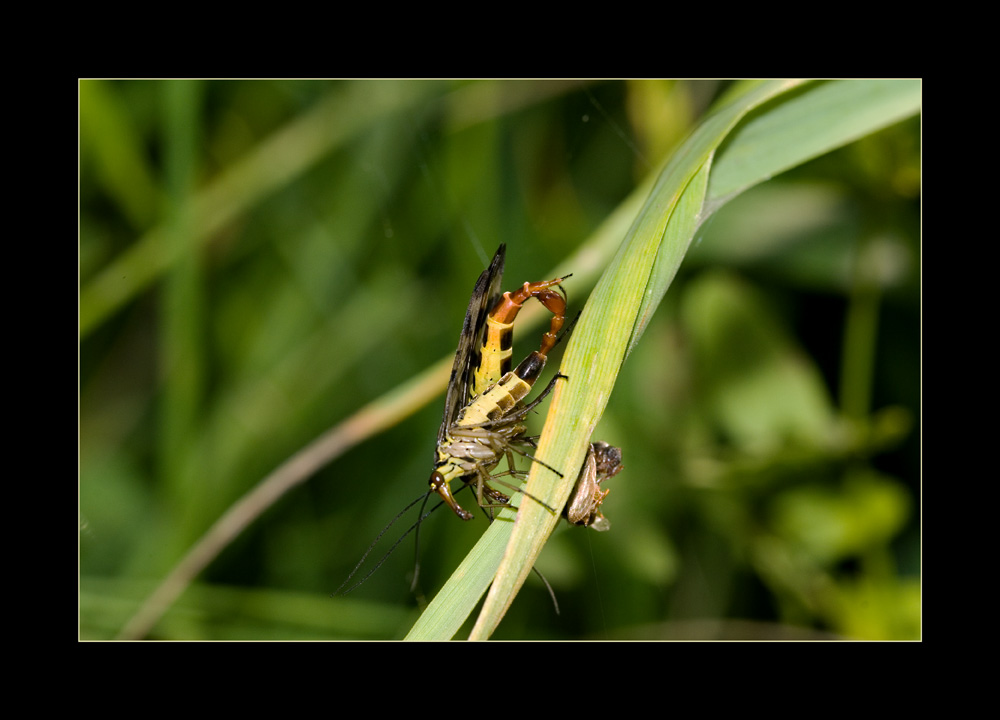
x=761 y=129
x=614 y=304
x=805 y=125
x=612 y=322
x=641 y=271
x=593 y=358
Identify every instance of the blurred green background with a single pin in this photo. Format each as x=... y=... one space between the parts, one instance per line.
x=261 y=259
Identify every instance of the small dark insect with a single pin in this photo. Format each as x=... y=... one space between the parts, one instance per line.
x=603 y=461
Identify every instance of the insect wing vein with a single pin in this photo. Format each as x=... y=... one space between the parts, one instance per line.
x=484 y=296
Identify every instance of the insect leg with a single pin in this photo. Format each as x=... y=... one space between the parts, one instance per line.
x=496 y=498
x=509 y=452
x=534 y=459
x=489 y=497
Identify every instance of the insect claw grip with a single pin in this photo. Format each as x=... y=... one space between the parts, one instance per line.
x=555 y=302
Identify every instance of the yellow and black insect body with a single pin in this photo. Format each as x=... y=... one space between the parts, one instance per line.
x=584 y=505
x=483 y=418
x=483 y=413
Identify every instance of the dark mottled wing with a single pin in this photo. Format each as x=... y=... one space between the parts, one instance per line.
x=485 y=295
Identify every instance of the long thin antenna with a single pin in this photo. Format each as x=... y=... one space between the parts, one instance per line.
x=416 y=546
x=375 y=542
